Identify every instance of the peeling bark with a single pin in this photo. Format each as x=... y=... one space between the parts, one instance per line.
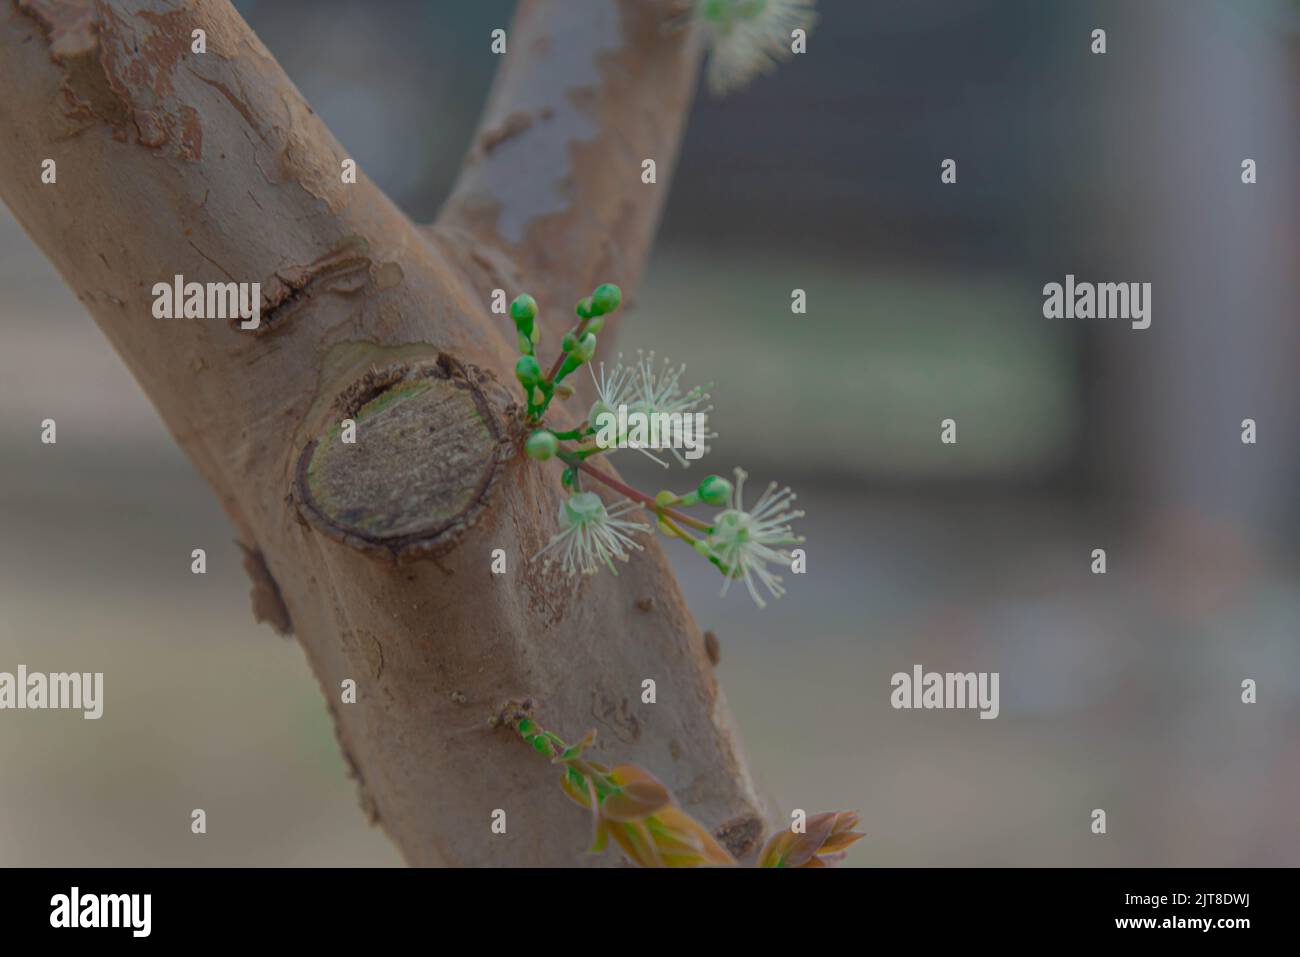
x=554 y=176
x=268 y=604
x=213 y=166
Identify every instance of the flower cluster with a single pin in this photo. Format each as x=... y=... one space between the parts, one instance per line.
x=630 y=806
x=743 y=544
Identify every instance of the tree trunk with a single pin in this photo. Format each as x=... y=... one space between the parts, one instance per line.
x=378 y=555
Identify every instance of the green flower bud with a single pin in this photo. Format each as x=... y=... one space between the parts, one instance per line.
x=596 y=324
x=714 y=490
x=568 y=342
x=523 y=310
x=542 y=445
x=606 y=298
x=527 y=371
x=585 y=349
x=666 y=498
x=567 y=367
x=584 y=308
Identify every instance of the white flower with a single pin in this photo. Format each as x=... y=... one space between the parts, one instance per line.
x=744 y=543
x=650 y=390
x=660 y=391
x=749 y=37
x=613 y=389
x=591 y=535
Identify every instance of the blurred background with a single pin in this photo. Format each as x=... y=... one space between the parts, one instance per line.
x=1120 y=691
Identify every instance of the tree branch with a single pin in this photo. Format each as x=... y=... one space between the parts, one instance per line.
x=586 y=92
x=377 y=554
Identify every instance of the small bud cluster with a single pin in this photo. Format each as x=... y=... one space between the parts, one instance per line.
x=578 y=346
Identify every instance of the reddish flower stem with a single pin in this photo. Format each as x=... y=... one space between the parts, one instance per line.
x=641 y=497
x=559 y=360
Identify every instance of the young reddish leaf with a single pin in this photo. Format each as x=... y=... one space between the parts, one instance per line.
x=685 y=827
x=776 y=848
x=838 y=842
x=805 y=845
x=576 y=790
x=575 y=750
x=823 y=843
x=641 y=794
x=637 y=843
x=599 y=837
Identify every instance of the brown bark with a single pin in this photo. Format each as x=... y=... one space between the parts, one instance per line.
x=377 y=555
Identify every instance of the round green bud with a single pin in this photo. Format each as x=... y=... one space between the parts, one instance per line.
x=584 y=308
x=568 y=342
x=606 y=298
x=527 y=371
x=523 y=309
x=714 y=490
x=666 y=498
x=542 y=445
x=596 y=324
x=585 y=349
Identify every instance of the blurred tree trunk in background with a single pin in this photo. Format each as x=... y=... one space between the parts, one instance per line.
x=1222 y=256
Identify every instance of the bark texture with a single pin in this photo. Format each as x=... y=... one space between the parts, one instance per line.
x=377 y=554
